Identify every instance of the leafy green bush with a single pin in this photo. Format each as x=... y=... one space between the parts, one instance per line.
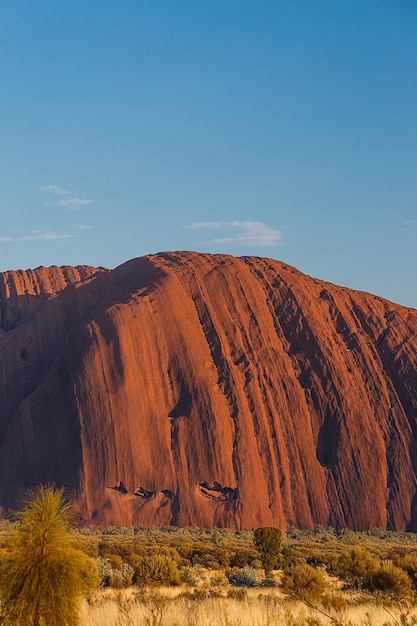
x=157 y=569
x=304 y=582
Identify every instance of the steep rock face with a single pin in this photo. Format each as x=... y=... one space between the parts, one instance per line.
x=184 y=388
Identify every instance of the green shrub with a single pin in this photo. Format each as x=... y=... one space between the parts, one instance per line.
x=117 y=547
x=335 y=601
x=304 y=582
x=157 y=569
x=115 y=560
x=408 y=562
x=287 y=557
x=105 y=571
x=114 y=576
x=42 y=573
x=117 y=530
x=390 y=579
x=243 y=557
x=219 y=580
x=104 y=549
x=246 y=577
x=268 y=542
x=193 y=575
x=356 y=566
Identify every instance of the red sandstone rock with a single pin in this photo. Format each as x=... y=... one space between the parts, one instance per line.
x=184 y=388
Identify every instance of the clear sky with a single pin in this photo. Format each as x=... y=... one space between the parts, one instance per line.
x=285 y=129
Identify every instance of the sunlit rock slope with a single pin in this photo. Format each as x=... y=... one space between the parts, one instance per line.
x=184 y=388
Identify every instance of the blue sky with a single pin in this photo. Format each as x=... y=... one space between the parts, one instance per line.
x=268 y=128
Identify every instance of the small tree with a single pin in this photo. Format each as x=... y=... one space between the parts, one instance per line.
x=268 y=541
x=42 y=573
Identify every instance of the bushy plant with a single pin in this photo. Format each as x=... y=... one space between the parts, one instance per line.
x=237 y=594
x=246 y=577
x=242 y=557
x=335 y=602
x=356 y=566
x=157 y=569
x=268 y=542
x=408 y=562
x=118 y=530
x=42 y=573
x=304 y=582
x=211 y=557
x=155 y=603
x=114 y=576
x=219 y=580
x=105 y=571
x=201 y=593
x=390 y=579
x=193 y=575
x=116 y=561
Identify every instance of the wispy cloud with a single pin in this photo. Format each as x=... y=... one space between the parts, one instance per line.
x=82 y=226
x=245 y=233
x=36 y=235
x=73 y=202
x=58 y=190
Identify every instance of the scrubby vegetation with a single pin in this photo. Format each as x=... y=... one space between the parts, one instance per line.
x=43 y=574
x=298 y=578
x=268 y=543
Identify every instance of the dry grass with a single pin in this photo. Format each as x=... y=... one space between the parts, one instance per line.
x=201 y=552
x=267 y=607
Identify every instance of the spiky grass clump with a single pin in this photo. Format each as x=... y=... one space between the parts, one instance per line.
x=42 y=573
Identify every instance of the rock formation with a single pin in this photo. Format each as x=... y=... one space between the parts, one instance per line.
x=184 y=388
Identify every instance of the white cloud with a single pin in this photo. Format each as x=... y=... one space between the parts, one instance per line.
x=37 y=236
x=58 y=190
x=71 y=203
x=82 y=226
x=244 y=233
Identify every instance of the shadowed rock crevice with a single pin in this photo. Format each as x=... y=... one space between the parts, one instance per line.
x=214 y=491
x=183 y=406
x=144 y=493
x=328 y=441
x=120 y=488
